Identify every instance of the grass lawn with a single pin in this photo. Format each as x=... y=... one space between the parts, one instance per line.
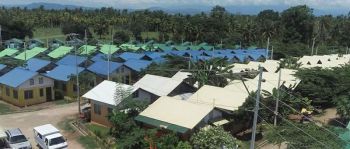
x=48 y=33
x=88 y=142
x=99 y=131
x=65 y=125
x=4 y=108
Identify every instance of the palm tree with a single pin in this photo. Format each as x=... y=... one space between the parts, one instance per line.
x=214 y=72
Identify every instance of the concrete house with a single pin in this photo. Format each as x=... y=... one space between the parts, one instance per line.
x=103 y=99
x=39 y=65
x=73 y=60
x=14 y=43
x=64 y=85
x=179 y=116
x=100 y=69
x=151 y=87
x=35 y=43
x=129 y=71
x=55 y=43
x=23 y=87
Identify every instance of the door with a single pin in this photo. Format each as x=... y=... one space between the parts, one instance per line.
x=48 y=94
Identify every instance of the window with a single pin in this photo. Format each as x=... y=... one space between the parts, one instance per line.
x=135 y=94
x=64 y=87
x=122 y=70
x=110 y=110
x=97 y=109
x=41 y=92
x=41 y=80
x=75 y=88
x=15 y=94
x=28 y=94
x=31 y=82
x=7 y=91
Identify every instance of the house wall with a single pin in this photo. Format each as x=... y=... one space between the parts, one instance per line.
x=123 y=75
x=145 y=96
x=181 y=89
x=100 y=118
x=20 y=100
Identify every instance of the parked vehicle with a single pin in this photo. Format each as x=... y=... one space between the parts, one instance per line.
x=49 y=137
x=2 y=138
x=16 y=140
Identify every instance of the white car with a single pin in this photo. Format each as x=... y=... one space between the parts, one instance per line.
x=16 y=140
x=49 y=137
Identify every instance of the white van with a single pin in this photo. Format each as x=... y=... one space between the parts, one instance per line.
x=49 y=137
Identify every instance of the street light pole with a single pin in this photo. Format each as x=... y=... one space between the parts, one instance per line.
x=256 y=109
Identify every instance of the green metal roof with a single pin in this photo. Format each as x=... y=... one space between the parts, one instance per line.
x=60 y=51
x=158 y=123
x=87 y=49
x=207 y=47
x=181 y=48
x=8 y=52
x=105 y=49
x=28 y=54
x=161 y=46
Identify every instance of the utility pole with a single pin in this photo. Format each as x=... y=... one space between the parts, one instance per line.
x=271 y=53
x=256 y=109
x=278 y=97
x=313 y=45
x=267 y=47
x=0 y=37
x=109 y=57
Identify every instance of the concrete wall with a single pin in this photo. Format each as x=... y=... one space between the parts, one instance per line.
x=21 y=101
x=103 y=117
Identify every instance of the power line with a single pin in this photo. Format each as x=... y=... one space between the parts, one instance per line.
x=295 y=126
x=277 y=132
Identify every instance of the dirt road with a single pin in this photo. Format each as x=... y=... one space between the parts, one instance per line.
x=26 y=121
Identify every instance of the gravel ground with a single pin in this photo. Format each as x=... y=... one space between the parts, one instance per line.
x=28 y=120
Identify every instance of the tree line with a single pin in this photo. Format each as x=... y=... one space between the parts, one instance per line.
x=294 y=31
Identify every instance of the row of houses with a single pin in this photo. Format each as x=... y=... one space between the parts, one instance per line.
x=130 y=46
x=180 y=107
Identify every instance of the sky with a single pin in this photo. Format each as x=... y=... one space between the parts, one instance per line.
x=142 y=4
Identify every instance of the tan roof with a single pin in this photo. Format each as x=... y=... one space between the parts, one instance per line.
x=269 y=65
x=219 y=97
x=178 y=112
x=158 y=85
x=181 y=75
x=328 y=61
x=270 y=81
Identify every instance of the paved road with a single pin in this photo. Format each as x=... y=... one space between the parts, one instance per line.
x=27 y=121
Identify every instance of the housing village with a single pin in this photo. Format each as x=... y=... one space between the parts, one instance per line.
x=38 y=74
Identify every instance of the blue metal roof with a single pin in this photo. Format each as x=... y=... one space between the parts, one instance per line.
x=35 y=64
x=256 y=56
x=63 y=72
x=70 y=60
x=155 y=55
x=2 y=66
x=99 y=57
x=193 y=53
x=101 y=67
x=16 y=77
x=128 y=56
x=137 y=65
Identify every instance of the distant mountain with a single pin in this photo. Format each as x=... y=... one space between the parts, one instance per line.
x=48 y=6
x=247 y=9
